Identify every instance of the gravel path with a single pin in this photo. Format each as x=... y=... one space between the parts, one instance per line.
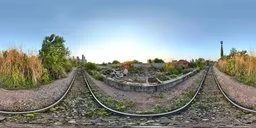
x=24 y=100
x=145 y=100
x=241 y=93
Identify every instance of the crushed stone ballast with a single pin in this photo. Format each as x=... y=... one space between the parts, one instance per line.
x=234 y=103
x=147 y=115
x=47 y=107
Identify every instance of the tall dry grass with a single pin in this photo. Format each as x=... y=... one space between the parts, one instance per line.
x=18 y=70
x=243 y=67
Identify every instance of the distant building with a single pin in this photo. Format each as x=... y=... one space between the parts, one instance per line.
x=83 y=59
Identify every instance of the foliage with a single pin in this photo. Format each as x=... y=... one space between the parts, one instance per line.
x=157 y=60
x=161 y=77
x=168 y=66
x=149 y=61
x=240 y=65
x=96 y=75
x=115 y=62
x=176 y=70
x=136 y=70
x=199 y=63
x=18 y=70
x=186 y=96
x=90 y=66
x=160 y=108
x=54 y=56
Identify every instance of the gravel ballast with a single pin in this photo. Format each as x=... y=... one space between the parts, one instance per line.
x=25 y=100
x=145 y=100
x=237 y=91
x=78 y=109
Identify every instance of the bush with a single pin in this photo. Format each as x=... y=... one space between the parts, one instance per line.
x=45 y=76
x=90 y=66
x=174 y=70
x=97 y=75
x=54 y=56
x=239 y=65
x=68 y=66
x=161 y=77
x=18 y=70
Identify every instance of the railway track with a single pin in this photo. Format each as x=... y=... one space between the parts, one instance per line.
x=140 y=115
x=147 y=115
x=179 y=109
x=234 y=103
x=47 y=107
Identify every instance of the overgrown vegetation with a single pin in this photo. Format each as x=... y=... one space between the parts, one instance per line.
x=19 y=70
x=240 y=65
x=92 y=69
x=54 y=56
x=182 y=67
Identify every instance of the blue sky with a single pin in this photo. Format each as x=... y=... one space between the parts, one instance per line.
x=104 y=30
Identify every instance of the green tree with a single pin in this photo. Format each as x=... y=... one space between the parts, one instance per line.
x=200 y=62
x=149 y=61
x=157 y=60
x=115 y=62
x=54 y=56
x=233 y=51
x=136 y=62
x=90 y=66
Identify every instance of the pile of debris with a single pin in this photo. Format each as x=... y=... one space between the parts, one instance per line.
x=118 y=73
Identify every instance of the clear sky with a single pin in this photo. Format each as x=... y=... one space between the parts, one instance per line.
x=104 y=30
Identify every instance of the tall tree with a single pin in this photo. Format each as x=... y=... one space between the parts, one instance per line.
x=54 y=55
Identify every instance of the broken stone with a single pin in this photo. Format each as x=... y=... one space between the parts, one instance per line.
x=165 y=120
x=2 y=118
x=72 y=121
x=205 y=119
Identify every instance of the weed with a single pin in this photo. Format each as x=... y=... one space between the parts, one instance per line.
x=18 y=70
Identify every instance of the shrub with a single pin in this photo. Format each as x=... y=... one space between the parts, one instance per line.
x=18 y=70
x=115 y=62
x=168 y=66
x=239 y=65
x=68 y=66
x=90 y=66
x=174 y=70
x=161 y=77
x=97 y=75
x=54 y=56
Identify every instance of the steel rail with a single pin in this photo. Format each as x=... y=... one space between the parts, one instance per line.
x=146 y=115
x=47 y=107
x=229 y=99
